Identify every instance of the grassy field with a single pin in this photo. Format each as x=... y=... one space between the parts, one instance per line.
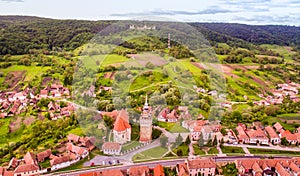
x=230 y=149
x=267 y=151
x=130 y=145
x=189 y=66
x=197 y=150
x=153 y=153
x=95 y=61
x=172 y=127
x=294 y=116
x=184 y=148
x=32 y=71
x=145 y=81
x=77 y=131
x=284 y=51
x=213 y=151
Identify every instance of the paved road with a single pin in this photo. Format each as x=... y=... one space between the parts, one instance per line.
x=162 y=162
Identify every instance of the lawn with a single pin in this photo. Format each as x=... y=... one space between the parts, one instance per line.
x=197 y=150
x=130 y=145
x=230 y=149
x=153 y=153
x=172 y=127
x=273 y=152
x=213 y=151
x=184 y=148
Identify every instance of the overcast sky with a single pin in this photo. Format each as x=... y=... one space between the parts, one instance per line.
x=259 y=12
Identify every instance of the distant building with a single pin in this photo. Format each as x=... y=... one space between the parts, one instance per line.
x=111 y=148
x=146 y=124
x=122 y=128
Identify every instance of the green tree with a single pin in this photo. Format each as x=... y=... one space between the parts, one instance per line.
x=163 y=141
x=229 y=170
x=109 y=122
x=284 y=141
x=201 y=140
x=178 y=140
x=215 y=141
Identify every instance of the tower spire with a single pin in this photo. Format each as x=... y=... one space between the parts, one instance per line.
x=146 y=102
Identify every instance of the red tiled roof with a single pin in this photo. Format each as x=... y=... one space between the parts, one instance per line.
x=73 y=137
x=138 y=171
x=182 y=169
x=277 y=126
x=280 y=169
x=121 y=124
x=8 y=173
x=294 y=167
x=1 y=170
x=75 y=149
x=159 y=170
x=13 y=162
x=114 y=172
x=44 y=92
x=201 y=163
x=289 y=136
x=26 y=168
x=91 y=174
x=271 y=132
x=30 y=158
x=59 y=160
x=42 y=155
x=256 y=133
x=111 y=145
x=241 y=133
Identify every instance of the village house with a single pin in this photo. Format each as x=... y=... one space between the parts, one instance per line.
x=122 y=128
x=52 y=106
x=166 y=116
x=60 y=162
x=205 y=167
x=290 y=137
x=182 y=170
x=19 y=96
x=138 y=171
x=43 y=155
x=26 y=170
x=114 y=172
x=242 y=136
x=257 y=137
x=277 y=127
x=80 y=152
x=111 y=148
x=13 y=163
x=273 y=136
x=158 y=170
x=268 y=167
x=43 y=93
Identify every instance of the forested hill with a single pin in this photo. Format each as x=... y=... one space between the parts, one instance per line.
x=19 y=34
x=267 y=34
